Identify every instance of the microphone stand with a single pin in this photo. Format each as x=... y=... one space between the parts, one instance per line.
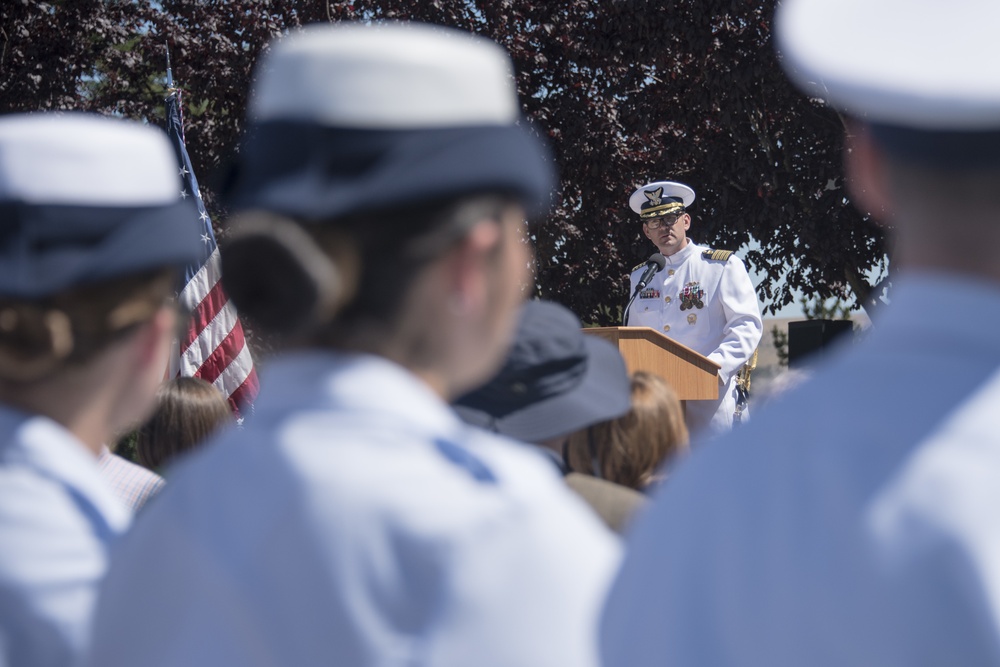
x=625 y=313
x=653 y=266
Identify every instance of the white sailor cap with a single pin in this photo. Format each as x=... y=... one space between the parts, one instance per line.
x=660 y=198
x=85 y=198
x=923 y=75
x=351 y=117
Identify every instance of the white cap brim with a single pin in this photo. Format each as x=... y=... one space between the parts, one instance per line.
x=914 y=63
x=670 y=189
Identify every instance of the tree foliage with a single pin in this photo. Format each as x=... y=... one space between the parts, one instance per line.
x=625 y=91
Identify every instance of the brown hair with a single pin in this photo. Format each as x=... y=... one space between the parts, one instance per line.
x=279 y=272
x=188 y=410
x=628 y=450
x=40 y=337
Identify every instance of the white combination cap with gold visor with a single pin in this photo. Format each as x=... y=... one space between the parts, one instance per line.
x=661 y=198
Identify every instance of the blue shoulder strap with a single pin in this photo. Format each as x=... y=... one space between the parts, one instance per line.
x=466 y=460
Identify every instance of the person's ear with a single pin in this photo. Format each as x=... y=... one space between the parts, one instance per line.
x=687 y=221
x=645 y=230
x=867 y=176
x=145 y=354
x=154 y=339
x=469 y=263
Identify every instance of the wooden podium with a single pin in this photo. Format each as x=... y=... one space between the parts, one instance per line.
x=692 y=376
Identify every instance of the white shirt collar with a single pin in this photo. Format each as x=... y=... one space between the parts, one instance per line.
x=40 y=443
x=683 y=254
x=359 y=383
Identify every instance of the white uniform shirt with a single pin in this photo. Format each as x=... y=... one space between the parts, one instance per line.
x=709 y=306
x=853 y=522
x=356 y=521
x=56 y=520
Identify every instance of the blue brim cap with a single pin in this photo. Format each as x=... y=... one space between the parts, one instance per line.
x=946 y=149
x=47 y=249
x=314 y=173
x=555 y=381
x=84 y=198
x=602 y=394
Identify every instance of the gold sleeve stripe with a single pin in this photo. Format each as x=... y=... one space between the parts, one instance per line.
x=718 y=255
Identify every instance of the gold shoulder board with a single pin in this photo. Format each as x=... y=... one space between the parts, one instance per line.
x=637 y=267
x=718 y=255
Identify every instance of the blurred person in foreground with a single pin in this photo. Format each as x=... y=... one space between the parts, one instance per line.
x=854 y=522
x=188 y=410
x=356 y=520
x=634 y=449
x=555 y=381
x=93 y=235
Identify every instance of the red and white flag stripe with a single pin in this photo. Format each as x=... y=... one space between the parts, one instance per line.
x=213 y=348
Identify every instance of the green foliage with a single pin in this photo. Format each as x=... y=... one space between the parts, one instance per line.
x=780 y=339
x=626 y=91
x=126 y=446
x=826 y=309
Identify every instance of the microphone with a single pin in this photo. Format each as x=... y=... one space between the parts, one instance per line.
x=654 y=265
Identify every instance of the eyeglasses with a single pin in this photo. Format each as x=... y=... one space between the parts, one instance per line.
x=667 y=220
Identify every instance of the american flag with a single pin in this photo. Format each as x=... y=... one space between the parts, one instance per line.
x=213 y=347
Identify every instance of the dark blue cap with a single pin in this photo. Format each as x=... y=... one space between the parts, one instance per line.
x=948 y=149
x=316 y=173
x=556 y=380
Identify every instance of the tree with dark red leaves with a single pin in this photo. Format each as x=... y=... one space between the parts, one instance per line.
x=626 y=91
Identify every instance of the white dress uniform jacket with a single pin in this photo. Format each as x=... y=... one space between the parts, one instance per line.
x=357 y=521
x=855 y=521
x=56 y=520
x=710 y=306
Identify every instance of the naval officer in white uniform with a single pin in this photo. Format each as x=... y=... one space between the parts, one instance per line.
x=855 y=521
x=702 y=298
x=93 y=238
x=356 y=520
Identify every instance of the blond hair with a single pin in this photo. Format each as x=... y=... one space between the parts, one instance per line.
x=188 y=411
x=629 y=450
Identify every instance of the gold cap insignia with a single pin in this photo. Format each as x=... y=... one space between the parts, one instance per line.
x=654 y=196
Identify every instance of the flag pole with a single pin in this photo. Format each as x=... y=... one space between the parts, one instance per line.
x=174 y=362
x=170 y=74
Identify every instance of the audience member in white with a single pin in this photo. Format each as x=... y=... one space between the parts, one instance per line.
x=93 y=234
x=355 y=520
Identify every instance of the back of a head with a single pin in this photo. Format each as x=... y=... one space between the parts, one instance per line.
x=93 y=234
x=188 y=411
x=630 y=449
x=372 y=150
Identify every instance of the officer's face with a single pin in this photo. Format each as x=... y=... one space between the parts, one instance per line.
x=671 y=234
